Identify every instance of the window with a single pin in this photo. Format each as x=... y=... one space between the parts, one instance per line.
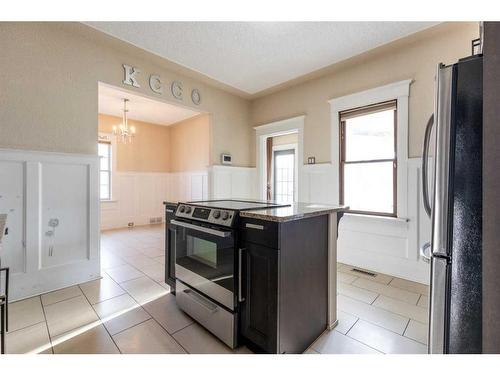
x=284 y=179
x=104 y=150
x=368 y=162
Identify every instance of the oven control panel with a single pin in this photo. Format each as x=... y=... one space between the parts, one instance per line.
x=210 y=215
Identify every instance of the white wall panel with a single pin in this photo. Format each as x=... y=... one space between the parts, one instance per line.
x=317 y=183
x=138 y=197
x=43 y=186
x=64 y=198
x=12 y=203
x=227 y=182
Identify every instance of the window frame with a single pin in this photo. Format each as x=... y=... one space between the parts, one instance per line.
x=109 y=171
x=364 y=110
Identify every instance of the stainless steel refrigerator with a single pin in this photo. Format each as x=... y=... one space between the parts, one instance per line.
x=453 y=200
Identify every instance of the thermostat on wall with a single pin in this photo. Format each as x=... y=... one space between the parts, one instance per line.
x=226 y=159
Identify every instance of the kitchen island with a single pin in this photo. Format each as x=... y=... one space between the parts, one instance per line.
x=289 y=274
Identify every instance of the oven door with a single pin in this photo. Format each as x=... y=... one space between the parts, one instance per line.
x=204 y=260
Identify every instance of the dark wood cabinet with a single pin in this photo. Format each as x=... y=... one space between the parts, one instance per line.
x=259 y=310
x=285 y=283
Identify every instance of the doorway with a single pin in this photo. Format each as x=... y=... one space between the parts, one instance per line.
x=143 y=162
x=279 y=159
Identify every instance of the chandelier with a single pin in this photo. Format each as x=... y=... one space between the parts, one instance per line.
x=123 y=132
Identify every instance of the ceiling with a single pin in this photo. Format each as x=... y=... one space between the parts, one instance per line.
x=140 y=107
x=255 y=56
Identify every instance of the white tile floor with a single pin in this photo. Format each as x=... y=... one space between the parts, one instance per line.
x=130 y=310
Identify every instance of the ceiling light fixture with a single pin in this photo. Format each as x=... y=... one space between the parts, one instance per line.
x=123 y=132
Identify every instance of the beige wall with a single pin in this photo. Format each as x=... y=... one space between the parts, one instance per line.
x=189 y=146
x=285 y=139
x=149 y=151
x=415 y=57
x=50 y=74
x=181 y=147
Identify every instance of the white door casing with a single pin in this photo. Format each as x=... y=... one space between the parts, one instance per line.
x=282 y=127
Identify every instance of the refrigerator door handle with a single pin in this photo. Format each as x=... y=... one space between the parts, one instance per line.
x=440 y=206
x=425 y=252
x=425 y=163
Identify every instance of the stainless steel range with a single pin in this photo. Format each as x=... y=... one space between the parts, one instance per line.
x=207 y=262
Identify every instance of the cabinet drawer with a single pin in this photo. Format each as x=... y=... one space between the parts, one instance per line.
x=260 y=232
x=220 y=322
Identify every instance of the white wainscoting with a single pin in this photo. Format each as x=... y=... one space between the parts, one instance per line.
x=318 y=184
x=227 y=182
x=39 y=187
x=188 y=186
x=386 y=245
x=138 y=197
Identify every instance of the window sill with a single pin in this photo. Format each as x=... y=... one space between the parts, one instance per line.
x=109 y=201
x=379 y=217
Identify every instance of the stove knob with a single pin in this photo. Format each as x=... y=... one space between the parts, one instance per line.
x=188 y=209
x=182 y=209
x=216 y=214
x=225 y=215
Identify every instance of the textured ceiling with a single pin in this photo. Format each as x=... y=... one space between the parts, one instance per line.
x=254 y=56
x=140 y=108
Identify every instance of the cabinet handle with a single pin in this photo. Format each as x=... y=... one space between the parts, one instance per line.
x=240 y=270
x=254 y=226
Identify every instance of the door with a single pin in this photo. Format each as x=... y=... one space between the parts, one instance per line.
x=284 y=176
x=259 y=315
x=204 y=260
x=439 y=306
x=440 y=217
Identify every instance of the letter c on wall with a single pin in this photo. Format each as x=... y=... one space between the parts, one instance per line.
x=156 y=84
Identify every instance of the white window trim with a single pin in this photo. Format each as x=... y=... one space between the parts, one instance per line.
x=294 y=147
x=399 y=91
x=288 y=126
x=111 y=138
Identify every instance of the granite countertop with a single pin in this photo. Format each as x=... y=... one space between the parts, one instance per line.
x=295 y=211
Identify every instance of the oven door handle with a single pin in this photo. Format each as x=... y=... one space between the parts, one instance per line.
x=200 y=228
x=210 y=306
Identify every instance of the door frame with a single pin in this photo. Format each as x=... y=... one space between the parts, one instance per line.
x=273 y=129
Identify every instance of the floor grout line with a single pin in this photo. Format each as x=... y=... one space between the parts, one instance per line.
x=372 y=304
x=389 y=284
x=46 y=325
x=381 y=308
x=357 y=320
x=407 y=324
x=102 y=323
x=152 y=317
x=361 y=342
x=63 y=300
